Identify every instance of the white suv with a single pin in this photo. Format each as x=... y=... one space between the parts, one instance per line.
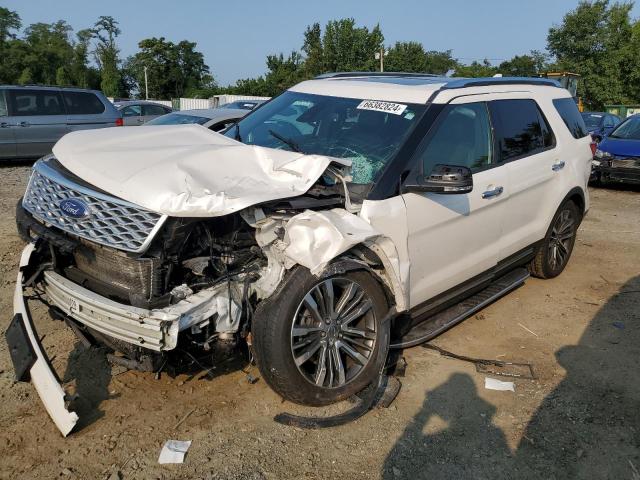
x=351 y=214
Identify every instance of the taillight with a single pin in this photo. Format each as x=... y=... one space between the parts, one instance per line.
x=120 y=123
x=593 y=146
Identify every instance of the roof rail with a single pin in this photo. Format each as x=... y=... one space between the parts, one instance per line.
x=374 y=74
x=486 y=81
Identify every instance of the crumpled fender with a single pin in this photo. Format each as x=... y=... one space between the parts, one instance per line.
x=313 y=239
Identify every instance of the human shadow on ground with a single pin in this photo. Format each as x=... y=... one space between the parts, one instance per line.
x=470 y=443
x=587 y=427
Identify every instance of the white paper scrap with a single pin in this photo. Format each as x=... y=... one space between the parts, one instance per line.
x=174 y=451
x=493 y=384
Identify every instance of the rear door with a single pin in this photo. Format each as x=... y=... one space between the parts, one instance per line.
x=7 y=126
x=526 y=145
x=454 y=238
x=132 y=115
x=85 y=110
x=40 y=117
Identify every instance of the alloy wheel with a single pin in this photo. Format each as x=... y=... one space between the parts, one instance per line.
x=560 y=240
x=334 y=332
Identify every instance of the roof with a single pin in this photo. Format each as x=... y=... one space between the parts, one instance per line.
x=404 y=87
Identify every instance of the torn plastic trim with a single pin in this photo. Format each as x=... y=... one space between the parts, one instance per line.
x=42 y=375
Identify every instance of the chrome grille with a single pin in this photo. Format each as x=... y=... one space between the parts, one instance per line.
x=111 y=221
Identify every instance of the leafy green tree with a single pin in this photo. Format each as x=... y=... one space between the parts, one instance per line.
x=173 y=70
x=439 y=63
x=9 y=23
x=25 y=77
x=531 y=65
x=350 y=48
x=106 y=53
x=595 y=40
x=476 y=69
x=406 y=57
x=312 y=47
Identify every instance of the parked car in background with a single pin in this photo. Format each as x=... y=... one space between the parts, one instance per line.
x=617 y=158
x=215 y=119
x=600 y=124
x=34 y=118
x=138 y=112
x=244 y=104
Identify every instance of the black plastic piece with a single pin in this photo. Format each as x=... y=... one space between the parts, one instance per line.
x=434 y=325
x=22 y=353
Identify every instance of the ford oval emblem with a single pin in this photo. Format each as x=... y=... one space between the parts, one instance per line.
x=74 y=208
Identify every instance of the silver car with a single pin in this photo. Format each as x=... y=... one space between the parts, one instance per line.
x=137 y=112
x=215 y=119
x=34 y=118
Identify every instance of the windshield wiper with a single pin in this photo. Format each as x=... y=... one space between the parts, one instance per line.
x=287 y=141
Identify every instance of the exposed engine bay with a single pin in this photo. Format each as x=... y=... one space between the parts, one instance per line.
x=199 y=279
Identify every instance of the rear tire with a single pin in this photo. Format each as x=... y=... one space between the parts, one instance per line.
x=321 y=340
x=554 y=253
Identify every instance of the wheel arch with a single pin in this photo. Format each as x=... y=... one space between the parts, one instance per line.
x=577 y=196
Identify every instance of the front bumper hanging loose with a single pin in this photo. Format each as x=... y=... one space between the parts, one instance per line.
x=31 y=361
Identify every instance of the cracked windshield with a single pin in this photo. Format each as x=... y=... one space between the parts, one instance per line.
x=367 y=132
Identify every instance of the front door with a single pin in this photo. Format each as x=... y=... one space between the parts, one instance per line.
x=455 y=237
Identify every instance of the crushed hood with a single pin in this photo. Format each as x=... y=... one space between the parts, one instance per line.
x=186 y=170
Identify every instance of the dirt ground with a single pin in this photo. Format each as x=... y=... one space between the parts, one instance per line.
x=579 y=419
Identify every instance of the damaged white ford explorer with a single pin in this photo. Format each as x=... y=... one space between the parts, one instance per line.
x=352 y=214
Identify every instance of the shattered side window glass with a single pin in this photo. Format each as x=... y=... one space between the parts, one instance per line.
x=368 y=132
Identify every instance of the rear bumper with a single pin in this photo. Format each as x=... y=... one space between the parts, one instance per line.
x=42 y=375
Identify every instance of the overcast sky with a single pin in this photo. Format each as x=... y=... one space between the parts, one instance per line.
x=236 y=36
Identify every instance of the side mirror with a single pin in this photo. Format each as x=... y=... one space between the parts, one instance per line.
x=447 y=179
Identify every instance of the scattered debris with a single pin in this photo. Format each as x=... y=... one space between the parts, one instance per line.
x=493 y=367
x=493 y=384
x=618 y=325
x=530 y=331
x=181 y=421
x=251 y=379
x=507 y=369
x=115 y=475
x=364 y=401
x=174 y=451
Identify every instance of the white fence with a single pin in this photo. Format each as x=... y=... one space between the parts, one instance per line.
x=221 y=100
x=191 y=103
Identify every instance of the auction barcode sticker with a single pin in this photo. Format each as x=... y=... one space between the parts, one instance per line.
x=387 y=107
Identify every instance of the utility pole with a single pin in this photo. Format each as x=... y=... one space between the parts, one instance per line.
x=380 y=56
x=146 y=84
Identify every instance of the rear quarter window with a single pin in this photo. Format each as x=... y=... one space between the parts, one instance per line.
x=571 y=116
x=82 y=103
x=521 y=129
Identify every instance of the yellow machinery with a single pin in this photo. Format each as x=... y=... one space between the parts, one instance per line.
x=569 y=81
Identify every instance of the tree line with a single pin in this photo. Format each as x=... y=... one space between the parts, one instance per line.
x=598 y=40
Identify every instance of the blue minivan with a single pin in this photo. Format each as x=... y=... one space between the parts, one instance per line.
x=617 y=158
x=34 y=118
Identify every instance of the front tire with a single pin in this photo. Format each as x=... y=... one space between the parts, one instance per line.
x=321 y=340
x=554 y=253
